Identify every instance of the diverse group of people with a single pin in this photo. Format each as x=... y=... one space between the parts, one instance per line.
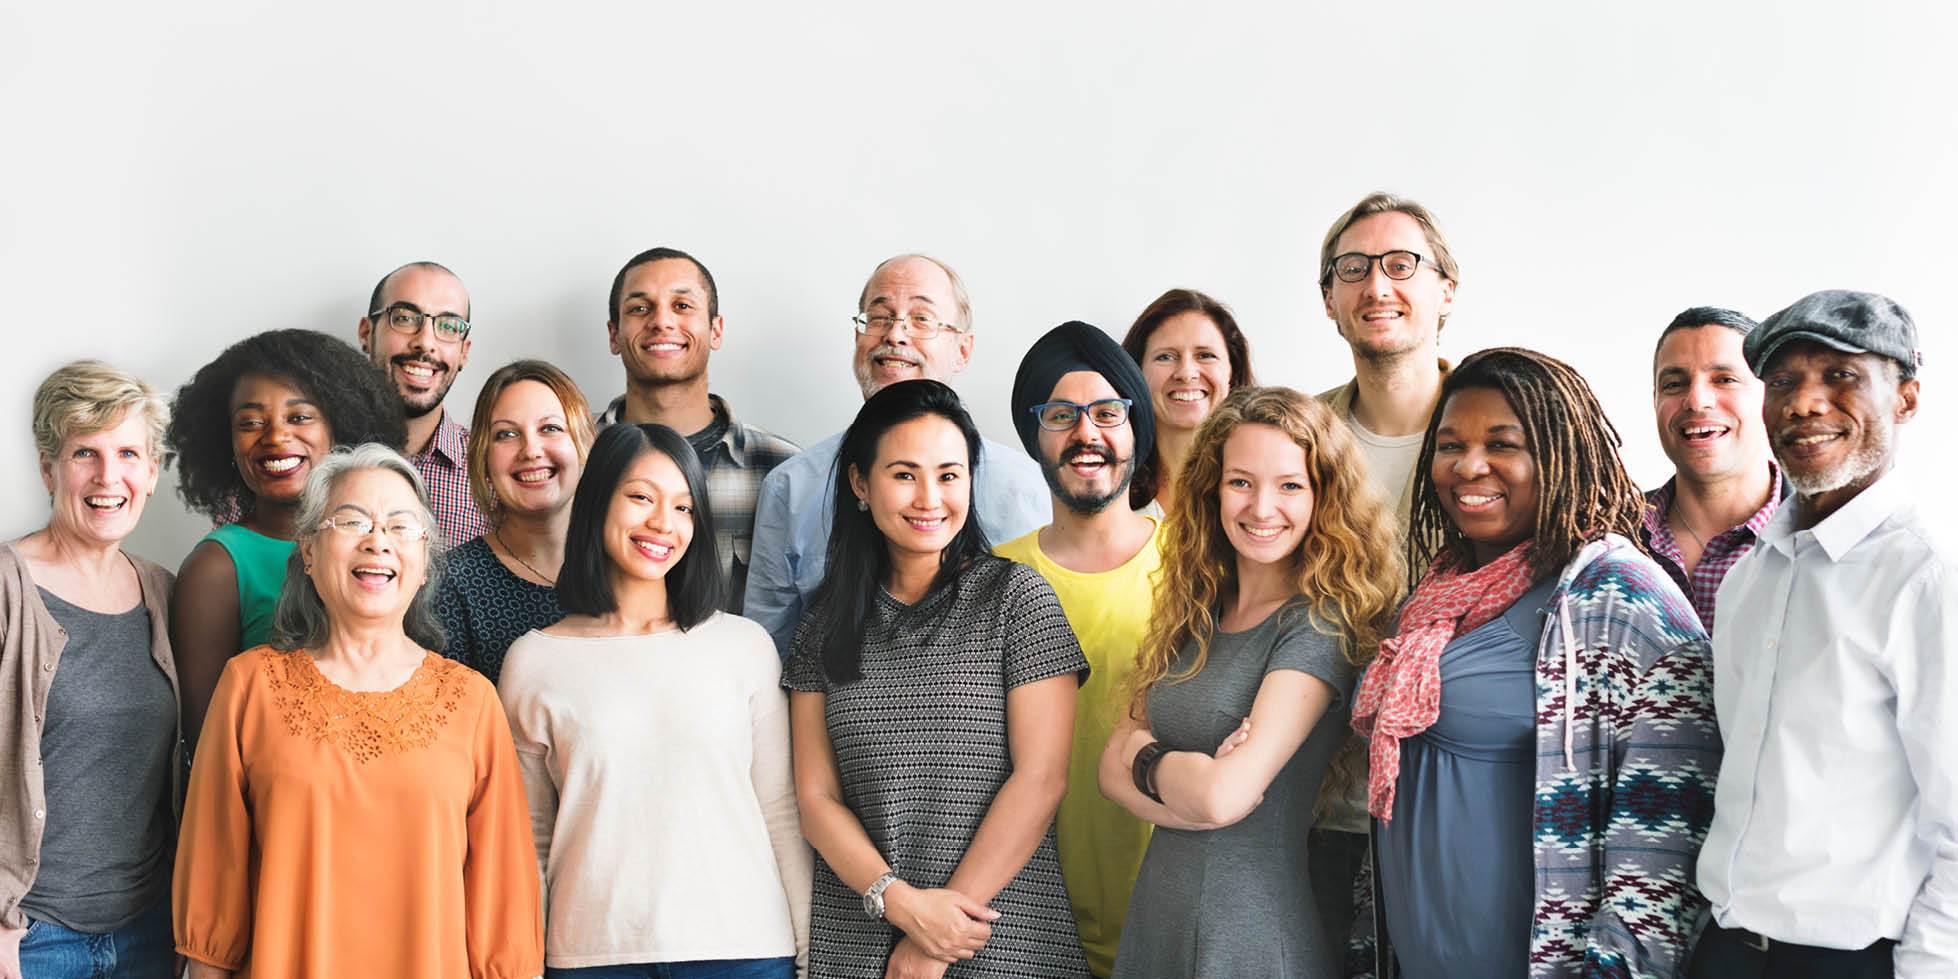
x=1204 y=678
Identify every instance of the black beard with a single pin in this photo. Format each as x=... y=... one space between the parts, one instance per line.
x=1080 y=503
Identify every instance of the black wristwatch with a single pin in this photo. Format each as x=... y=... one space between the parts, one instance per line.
x=1144 y=770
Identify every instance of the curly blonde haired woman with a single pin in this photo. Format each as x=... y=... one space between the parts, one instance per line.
x=1279 y=575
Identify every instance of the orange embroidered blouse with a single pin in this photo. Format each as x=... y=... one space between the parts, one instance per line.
x=331 y=833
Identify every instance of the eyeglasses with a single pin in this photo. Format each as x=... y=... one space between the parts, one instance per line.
x=1062 y=416
x=1353 y=266
x=405 y=531
x=405 y=319
x=918 y=325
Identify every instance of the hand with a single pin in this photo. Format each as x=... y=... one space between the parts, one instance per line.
x=908 y=961
x=1234 y=739
x=10 y=952
x=946 y=925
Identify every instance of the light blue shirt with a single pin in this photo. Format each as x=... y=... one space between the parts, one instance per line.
x=792 y=518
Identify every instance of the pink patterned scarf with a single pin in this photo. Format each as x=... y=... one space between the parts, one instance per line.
x=1401 y=693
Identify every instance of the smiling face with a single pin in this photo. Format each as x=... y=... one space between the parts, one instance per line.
x=662 y=331
x=276 y=433
x=373 y=577
x=1087 y=467
x=649 y=522
x=1188 y=368
x=533 y=462
x=422 y=366
x=1484 y=473
x=1832 y=419
x=97 y=483
x=919 y=487
x=1264 y=495
x=1381 y=318
x=1707 y=404
x=908 y=287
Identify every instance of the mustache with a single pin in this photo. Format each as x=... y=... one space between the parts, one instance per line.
x=888 y=352
x=435 y=362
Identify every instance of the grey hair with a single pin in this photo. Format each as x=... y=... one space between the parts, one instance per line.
x=301 y=620
x=959 y=296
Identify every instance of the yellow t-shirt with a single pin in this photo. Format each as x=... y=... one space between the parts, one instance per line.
x=1100 y=843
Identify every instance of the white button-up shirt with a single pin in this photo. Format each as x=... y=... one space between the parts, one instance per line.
x=1835 y=663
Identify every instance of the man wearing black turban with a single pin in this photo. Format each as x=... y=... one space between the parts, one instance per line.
x=1082 y=409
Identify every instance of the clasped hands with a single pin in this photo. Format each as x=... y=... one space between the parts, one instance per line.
x=941 y=926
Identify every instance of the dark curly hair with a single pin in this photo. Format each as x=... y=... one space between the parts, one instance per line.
x=353 y=395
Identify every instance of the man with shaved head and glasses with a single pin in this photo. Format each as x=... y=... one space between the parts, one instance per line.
x=1387 y=278
x=417 y=330
x=913 y=320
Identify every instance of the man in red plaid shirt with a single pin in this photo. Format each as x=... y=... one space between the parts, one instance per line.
x=417 y=330
x=1725 y=488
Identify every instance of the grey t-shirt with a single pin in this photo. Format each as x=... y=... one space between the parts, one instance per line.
x=1236 y=901
x=106 y=737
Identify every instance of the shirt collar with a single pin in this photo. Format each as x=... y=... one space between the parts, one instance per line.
x=734 y=438
x=450 y=441
x=1842 y=530
x=1660 y=500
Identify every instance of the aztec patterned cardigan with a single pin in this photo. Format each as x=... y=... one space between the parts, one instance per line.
x=1627 y=754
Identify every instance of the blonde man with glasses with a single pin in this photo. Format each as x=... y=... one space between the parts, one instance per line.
x=913 y=320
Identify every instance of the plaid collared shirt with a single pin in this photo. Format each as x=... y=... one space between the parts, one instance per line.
x=736 y=466
x=444 y=467
x=1719 y=555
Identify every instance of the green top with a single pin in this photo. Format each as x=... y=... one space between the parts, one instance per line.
x=261 y=565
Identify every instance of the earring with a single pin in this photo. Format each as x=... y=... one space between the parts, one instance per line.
x=863 y=504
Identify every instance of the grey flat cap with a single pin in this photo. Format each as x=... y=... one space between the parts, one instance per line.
x=1853 y=322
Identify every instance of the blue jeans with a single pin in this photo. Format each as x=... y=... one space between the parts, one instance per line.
x=782 y=968
x=141 y=949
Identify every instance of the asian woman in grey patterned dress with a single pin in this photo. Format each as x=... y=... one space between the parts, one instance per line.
x=931 y=711
x=1279 y=575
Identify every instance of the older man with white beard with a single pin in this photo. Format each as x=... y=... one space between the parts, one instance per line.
x=913 y=320
x=1834 y=845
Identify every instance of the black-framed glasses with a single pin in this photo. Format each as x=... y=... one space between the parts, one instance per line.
x=405 y=531
x=918 y=325
x=405 y=319
x=1397 y=265
x=1062 y=416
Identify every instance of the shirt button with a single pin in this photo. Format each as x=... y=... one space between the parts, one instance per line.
x=40 y=814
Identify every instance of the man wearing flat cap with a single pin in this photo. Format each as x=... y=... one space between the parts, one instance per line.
x=1082 y=409
x=1834 y=846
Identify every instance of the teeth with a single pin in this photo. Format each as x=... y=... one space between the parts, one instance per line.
x=933 y=524
x=1812 y=439
x=657 y=552
x=663 y=347
x=417 y=370
x=105 y=502
x=372 y=572
x=1087 y=459
x=282 y=465
x=535 y=475
x=1473 y=499
x=1264 y=533
x=1187 y=395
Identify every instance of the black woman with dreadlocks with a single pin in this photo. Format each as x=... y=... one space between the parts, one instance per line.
x=1540 y=725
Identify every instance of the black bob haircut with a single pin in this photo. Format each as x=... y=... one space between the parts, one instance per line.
x=654 y=255
x=354 y=396
x=859 y=558
x=694 y=587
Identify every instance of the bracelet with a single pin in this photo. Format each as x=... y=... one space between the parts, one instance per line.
x=1144 y=769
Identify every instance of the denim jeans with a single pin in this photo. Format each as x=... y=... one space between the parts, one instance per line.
x=141 y=949
x=782 y=968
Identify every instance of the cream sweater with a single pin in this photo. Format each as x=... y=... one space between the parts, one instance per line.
x=661 y=795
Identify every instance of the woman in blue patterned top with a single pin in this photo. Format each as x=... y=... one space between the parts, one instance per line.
x=1541 y=724
x=527 y=446
x=931 y=715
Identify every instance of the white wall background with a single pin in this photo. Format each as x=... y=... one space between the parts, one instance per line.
x=176 y=176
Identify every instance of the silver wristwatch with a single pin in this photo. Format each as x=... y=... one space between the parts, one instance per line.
x=873 y=899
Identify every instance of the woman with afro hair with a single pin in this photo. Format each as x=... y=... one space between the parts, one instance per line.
x=246 y=431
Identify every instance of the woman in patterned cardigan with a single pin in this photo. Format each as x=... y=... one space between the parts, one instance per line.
x=1541 y=725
